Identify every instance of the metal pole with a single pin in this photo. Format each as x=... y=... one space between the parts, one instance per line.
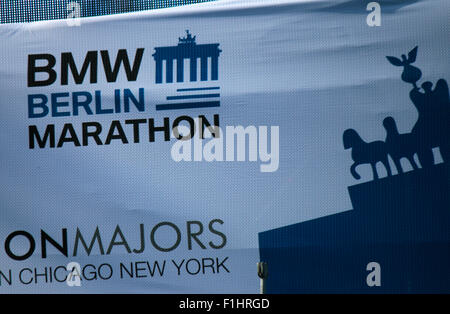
x=262 y=274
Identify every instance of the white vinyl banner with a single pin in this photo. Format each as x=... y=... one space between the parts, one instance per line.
x=145 y=152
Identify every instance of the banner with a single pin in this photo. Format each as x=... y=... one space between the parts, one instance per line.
x=170 y=151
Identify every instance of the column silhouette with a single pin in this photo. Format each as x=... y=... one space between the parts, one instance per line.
x=187 y=48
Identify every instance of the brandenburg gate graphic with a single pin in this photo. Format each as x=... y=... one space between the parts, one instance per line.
x=187 y=48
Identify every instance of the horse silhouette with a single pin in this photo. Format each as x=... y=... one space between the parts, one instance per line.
x=399 y=145
x=366 y=153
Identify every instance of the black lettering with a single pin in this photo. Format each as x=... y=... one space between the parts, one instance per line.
x=49 y=134
x=96 y=236
x=191 y=128
x=62 y=248
x=68 y=128
x=191 y=235
x=152 y=129
x=220 y=234
x=173 y=226
x=118 y=232
x=33 y=69
x=94 y=134
x=89 y=61
x=215 y=131
x=115 y=124
x=122 y=57
x=8 y=245
x=135 y=123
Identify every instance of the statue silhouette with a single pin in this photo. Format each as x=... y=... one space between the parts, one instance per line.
x=399 y=145
x=410 y=74
x=188 y=39
x=432 y=126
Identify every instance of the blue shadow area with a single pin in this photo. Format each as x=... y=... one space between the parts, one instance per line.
x=401 y=222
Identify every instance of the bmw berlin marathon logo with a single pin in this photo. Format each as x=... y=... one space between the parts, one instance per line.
x=202 y=69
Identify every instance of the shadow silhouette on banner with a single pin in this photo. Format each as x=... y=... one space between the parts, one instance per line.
x=401 y=222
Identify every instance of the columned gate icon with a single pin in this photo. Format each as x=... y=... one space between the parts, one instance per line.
x=187 y=48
